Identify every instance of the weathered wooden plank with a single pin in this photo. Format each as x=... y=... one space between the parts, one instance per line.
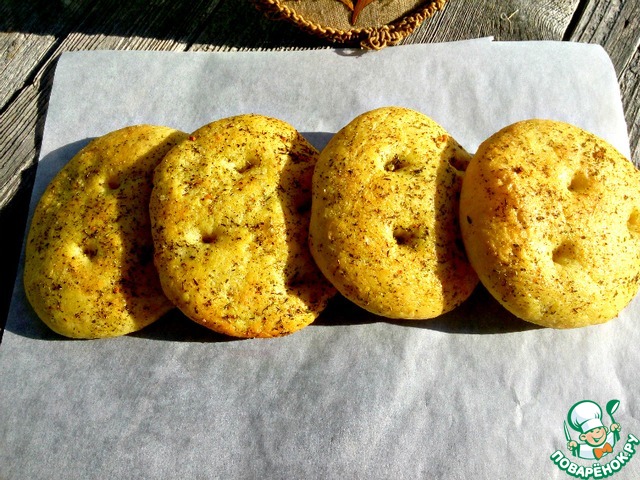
x=460 y=19
x=630 y=90
x=20 y=136
x=20 y=53
x=238 y=25
x=505 y=20
x=138 y=25
x=616 y=26
x=613 y=24
x=28 y=32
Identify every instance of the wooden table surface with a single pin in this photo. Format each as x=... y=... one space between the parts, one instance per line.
x=34 y=33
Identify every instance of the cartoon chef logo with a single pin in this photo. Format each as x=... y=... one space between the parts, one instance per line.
x=596 y=439
x=595 y=443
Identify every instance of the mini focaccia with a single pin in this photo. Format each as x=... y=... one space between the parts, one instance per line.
x=89 y=269
x=384 y=220
x=550 y=217
x=230 y=219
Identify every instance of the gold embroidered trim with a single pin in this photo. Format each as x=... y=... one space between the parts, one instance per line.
x=371 y=38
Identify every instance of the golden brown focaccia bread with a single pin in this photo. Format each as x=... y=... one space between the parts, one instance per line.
x=230 y=216
x=550 y=217
x=89 y=269
x=384 y=221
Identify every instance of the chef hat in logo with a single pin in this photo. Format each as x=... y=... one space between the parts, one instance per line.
x=585 y=416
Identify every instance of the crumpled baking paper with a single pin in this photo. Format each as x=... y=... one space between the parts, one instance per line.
x=475 y=393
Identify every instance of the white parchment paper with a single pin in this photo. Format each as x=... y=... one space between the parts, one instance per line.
x=476 y=393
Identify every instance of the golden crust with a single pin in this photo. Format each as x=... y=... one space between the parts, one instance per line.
x=384 y=222
x=230 y=214
x=88 y=268
x=550 y=217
